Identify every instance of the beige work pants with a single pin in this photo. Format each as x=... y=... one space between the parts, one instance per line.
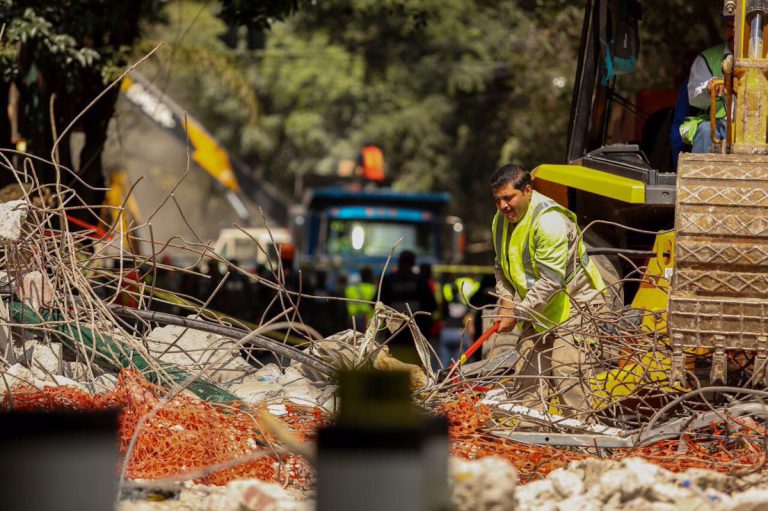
x=552 y=373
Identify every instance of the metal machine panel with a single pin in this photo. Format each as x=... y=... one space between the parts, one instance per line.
x=719 y=294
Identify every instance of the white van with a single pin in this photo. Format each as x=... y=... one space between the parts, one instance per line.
x=250 y=244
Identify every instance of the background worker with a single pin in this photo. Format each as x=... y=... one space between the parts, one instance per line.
x=706 y=69
x=541 y=260
x=360 y=313
x=406 y=291
x=455 y=294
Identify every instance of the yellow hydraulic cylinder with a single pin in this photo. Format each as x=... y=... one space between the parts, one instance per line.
x=750 y=117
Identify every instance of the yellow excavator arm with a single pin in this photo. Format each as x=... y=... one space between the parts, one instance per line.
x=206 y=151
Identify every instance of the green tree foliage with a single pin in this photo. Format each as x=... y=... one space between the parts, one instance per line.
x=70 y=50
x=261 y=14
x=447 y=88
x=67 y=51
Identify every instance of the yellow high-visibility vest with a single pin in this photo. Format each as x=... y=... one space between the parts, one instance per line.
x=361 y=291
x=515 y=250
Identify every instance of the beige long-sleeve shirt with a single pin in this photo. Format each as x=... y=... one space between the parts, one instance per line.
x=552 y=268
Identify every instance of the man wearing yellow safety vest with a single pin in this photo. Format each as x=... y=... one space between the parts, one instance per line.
x=706 y=69
x=360 y=313
x=541 y=267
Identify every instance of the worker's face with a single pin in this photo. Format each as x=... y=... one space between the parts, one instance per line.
x=512 y=203
x=728 y=32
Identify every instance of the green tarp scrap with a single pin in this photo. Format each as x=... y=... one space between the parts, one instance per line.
x=111 y=355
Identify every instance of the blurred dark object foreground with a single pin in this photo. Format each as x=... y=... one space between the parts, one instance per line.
x=58 y=460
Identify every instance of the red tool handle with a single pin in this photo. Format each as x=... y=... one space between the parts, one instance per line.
x=476 y=345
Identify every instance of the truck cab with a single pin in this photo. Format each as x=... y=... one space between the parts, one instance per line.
x=341 y=229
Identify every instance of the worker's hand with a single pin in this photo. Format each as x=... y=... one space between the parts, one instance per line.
x=719 y=88
x=507 y=324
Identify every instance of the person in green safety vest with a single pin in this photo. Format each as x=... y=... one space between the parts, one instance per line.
x=360 y=313
x=706 y=69
x=454 y=308
x=541 y=266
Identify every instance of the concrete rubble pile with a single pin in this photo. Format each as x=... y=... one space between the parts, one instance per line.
x=58 y=332
x=490 y=484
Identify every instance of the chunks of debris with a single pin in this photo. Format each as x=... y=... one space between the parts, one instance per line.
x=258 y=391
x=44 y=360
x=35 y=289
x=487 y=484
x=632 y=484
x=103 y=384
x=12 y=216
x=242 y=495
x=217 y=356
x=15 y=377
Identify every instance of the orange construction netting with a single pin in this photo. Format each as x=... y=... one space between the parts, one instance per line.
x=714 y=448
x=186 y=434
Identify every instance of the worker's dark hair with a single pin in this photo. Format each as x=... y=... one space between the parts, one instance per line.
x=366 y=275
x=512 y=174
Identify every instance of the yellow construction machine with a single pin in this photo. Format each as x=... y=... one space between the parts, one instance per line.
x=705 y=288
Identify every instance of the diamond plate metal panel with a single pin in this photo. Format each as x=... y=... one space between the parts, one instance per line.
x=722 y=253
x=697 y=321
x=722 y=222
x=719 y=294
x=708 y=195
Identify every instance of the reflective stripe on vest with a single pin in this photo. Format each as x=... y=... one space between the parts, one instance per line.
x=514 y=250
x=466 y=287
x=362 y=291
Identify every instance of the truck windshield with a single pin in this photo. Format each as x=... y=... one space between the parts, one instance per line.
x=376 y=238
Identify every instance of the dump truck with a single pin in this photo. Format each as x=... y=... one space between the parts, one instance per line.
x=340 y=229
x=706 y=283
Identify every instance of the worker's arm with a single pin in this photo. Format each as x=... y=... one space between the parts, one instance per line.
x=506 y=299
x=552 y=239
x=698 y=84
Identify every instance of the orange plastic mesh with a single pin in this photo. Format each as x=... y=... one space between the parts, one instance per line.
x=714 y=448
x=186 y=434
x=467 y=419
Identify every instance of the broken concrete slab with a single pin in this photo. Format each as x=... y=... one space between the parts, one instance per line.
x=242 y=495
x=566 y=483
x=34 y=289
x=196 y=350
x=77 y=371
x=43 y=359
x=580 y=503
x=755 y=499
x=258 y=391
x=103 y=383
x=270 y=372
x=57 y=380
x=486 y=484
x=6 y=339
x=255 y=495
x=15 y=377
x=12 y=216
